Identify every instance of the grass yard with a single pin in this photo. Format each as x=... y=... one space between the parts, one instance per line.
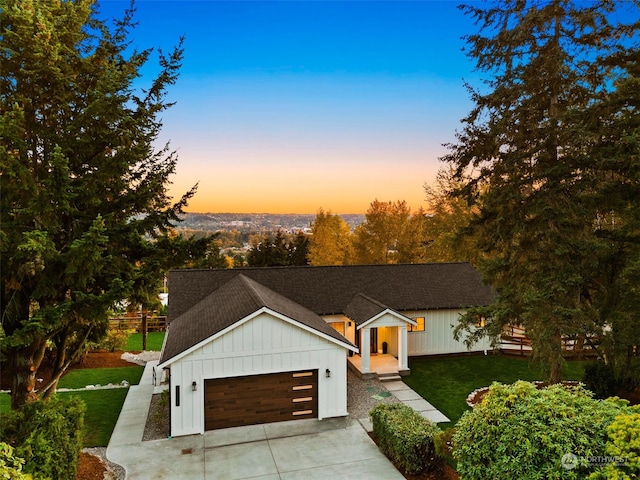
x=5 y=403
x=154 y=342
x=80 y=378
x=446 y=382
x=103 y=409
x=103 y=406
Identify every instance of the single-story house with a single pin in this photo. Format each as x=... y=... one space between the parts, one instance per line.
x=257 y=345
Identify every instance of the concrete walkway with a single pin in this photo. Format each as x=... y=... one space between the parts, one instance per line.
x=302 y=449
x=408 y=396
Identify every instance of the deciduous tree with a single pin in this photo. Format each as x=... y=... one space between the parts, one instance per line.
x=331 y=241
x=389 y=234
x=446 y=224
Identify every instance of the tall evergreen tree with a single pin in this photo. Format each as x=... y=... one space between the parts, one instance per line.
x=84 y=191
x=278 y=250
x=531 y=156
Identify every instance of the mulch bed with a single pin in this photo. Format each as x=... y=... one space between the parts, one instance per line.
x=90 y=467
x=102 y=360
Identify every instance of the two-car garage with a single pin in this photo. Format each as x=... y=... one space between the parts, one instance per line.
x=246 y=355
x=254 y=399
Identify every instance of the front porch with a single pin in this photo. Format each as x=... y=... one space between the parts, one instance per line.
x=379 y=364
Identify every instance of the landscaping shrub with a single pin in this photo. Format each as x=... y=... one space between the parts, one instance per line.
x=519 y=431
x=115 y=340
x=10 y=465
x=622 y=449
x=404 y=436
x=48 y=435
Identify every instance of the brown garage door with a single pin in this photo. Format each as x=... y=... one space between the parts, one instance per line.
x=230 y=402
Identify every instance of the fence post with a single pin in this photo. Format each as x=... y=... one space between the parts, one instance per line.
x=144 y=331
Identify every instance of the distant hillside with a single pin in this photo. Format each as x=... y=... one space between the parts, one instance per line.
x=255 y=222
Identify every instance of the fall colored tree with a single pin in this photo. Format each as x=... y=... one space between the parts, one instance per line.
x=389 y=234
x=331 y=240
x=448 y=237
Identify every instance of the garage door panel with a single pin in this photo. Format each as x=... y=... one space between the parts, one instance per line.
x=260 y=399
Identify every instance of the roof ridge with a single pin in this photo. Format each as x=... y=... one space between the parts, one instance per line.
x=311 y=267
x=252 y=290
x=370 y=299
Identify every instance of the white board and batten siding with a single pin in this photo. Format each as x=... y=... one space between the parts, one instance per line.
x=437 y=337
x=261 y=345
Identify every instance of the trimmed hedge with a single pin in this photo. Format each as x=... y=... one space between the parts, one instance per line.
x=405 y=437
x=48 y=435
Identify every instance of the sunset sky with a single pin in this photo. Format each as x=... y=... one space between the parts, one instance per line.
x=288 y=107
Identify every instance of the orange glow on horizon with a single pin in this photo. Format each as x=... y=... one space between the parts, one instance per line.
x=269 y=190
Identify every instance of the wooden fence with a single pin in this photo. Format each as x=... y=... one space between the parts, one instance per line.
x=514 y=341
x=154 y=323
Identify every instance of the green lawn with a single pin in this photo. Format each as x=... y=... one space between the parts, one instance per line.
x=5 y=403
x=103 y=410
x=446 y=382
x=154 y=342
x=82 y=377
x=103 y=406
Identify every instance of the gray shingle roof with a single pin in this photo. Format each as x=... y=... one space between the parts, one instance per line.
x=233 y=301
x=328 y=290
x=362 y=308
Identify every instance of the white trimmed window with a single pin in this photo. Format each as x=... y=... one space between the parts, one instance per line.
x=417 y=328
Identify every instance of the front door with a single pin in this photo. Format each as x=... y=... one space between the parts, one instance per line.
x=374 y=340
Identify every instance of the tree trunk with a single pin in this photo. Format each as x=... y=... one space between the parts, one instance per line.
x=556 y=360
x=26 y=362
x=63 y=361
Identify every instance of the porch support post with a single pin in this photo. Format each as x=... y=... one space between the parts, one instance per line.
x=403 y=360
x=365 y=349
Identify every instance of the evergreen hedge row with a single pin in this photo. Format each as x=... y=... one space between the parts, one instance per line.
x=48 y=436
x=405 y=437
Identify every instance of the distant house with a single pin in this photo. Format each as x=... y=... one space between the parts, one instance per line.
x=258 y=345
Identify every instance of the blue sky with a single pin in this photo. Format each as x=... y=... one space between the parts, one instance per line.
x=299 y=105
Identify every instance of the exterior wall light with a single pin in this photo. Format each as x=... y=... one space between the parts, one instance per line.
x=194 y=386
x=327 y=373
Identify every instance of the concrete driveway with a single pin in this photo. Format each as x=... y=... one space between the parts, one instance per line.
x=302 y=449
